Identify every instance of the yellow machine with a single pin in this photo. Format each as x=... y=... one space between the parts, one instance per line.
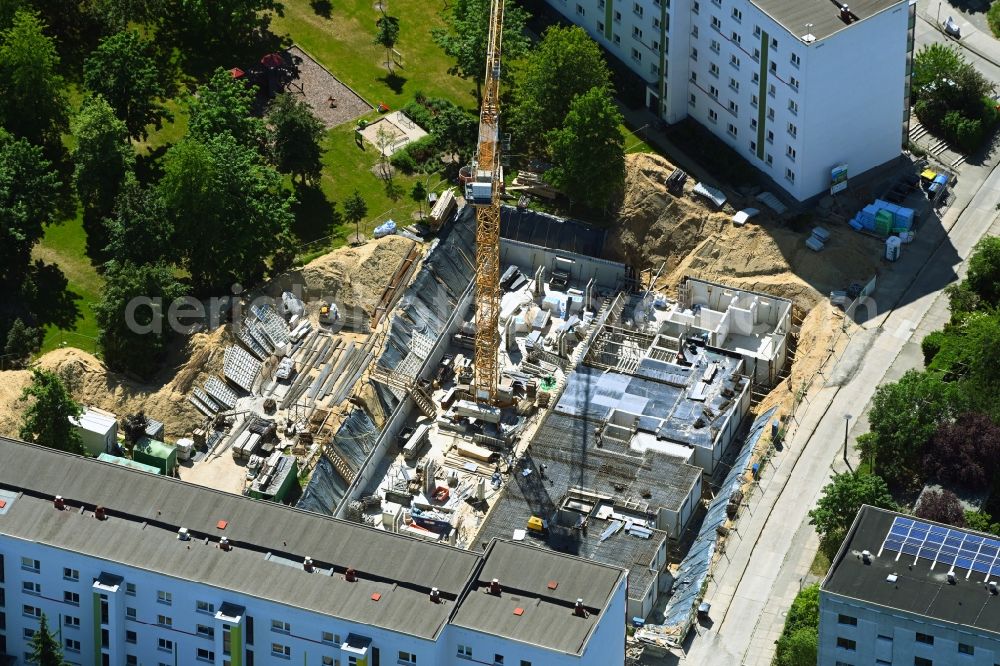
x=536 y=524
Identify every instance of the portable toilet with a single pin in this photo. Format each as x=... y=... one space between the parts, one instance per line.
x=893 y=247
x=98 y=430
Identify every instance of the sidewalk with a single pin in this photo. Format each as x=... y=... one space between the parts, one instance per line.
x=983 y=44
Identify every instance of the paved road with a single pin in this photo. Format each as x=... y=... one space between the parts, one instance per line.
x=761 y=572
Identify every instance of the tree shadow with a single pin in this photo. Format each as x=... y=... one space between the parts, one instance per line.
x=393 y=190
x=97 y=238
x=321 y=7
x=315 y=215
x=394 y=81
x=47 y=296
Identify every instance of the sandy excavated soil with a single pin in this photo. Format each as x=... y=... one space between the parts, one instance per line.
x=765 y=255
x=356 y=276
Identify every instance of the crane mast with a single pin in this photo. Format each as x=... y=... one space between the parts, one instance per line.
x=483 y=191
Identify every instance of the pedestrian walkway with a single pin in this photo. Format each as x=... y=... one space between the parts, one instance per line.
x=983 y=44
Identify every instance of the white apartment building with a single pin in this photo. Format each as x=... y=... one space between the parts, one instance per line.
x=909 y=592
x=797 y=87
x=134 y=568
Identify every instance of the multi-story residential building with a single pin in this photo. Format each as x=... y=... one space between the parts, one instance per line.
x=135 y=568
x=797 y=87
x=909 y=592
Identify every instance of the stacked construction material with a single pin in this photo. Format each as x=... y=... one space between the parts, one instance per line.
x=818 y=239
x=883 y=218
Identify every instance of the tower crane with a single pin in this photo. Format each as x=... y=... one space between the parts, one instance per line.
x=483 y=191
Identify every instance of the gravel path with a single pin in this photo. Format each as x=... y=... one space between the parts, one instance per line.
x=317 y=86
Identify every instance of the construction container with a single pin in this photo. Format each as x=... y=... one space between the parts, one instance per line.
x=98 y=430
x=156 y=454
x=125 y=462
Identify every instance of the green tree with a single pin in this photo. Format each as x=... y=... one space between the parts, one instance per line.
x=566 y=63
x=903 y=417
x=46 y=420
x=981 y=522
x=387 y=32
x=132 y=316
x=588 y=151
x=32 y=93
x=228 y=210
x=799 y=640
x=841 y=500
x=993 y=17
x=355 y=210
x=124 y=71
x=467 y=35
x=419 y=194
x=22 y=342
x=296 y=134
x=102 y=156
x=43 y=646
x=139 y=231
x=200 y=26
x=983 y=277
x=454 y=129
x=951 y=96
x=223 y=105
x=29 y=193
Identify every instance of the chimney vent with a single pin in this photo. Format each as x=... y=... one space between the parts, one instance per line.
x=351 y=575
x=224 y=544
x=578 y=609
x=100 y=513
x=183 y=534
x=435 y=595
x=495 y=586
x=307 y=564
x=993 y=587
x=951 y=578
x=59 y=502
x=866 y=556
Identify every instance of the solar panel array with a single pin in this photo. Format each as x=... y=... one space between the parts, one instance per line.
x=940 y=544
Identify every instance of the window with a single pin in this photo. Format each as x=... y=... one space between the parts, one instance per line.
x=130 y=589
x=498 y=660
x=637 y=9
x=770 y=136
x=164 y=644
x=774 y=67
x=580 y=11
x=790 y=152
x=31 y=587
x=279 y=650
x=281 y=626
x=753 y=100
x=617 y=39
x=793 y=131
x=753 y=146
x=712 y=115
x=654 y=69
x=636 y=33
x=695 y=7
x=465 y=651
x=716 y=23
x=693 y=101
x=731 y=128
x=131 y=660
x=796 y=60
x=755 y=78
x=790 y=177
x=694 y=76
x=328 y=661
x=774 y=44
x=737 y=14
x=636 y=55
x=694 y=31
x=31 y=565
x=655 y=45
x=753 y=123
x=71 y=598
x=736 y=37
x=771 y=91
x=525 y=662
x=768 y=159
x=926 y=639
x=794 y=82
x=713 y=91
x=206 y=655
x=329 y=638
x=28 y=633
x=734 y=61
x=656 y=23
x=129 y=613
x=756 y=55
x=618 y=17
x=164 y=621
x=734 y=107
x=713 y=69
x=842 y=643
x=71 y=621
x=72 y=645
x=600 y=27
x=714 y=46
x=694 y=54
x=202 y=630
x=770 y=113
x=131 y=636
x=164 y=597
x=71 y=574
x=793 y=106
x=756 y=31
x=965 y=648
x=734 y=84
x=406 y=658
x=922 y=661
x=204 y=607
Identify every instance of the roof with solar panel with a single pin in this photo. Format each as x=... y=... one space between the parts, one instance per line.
x=920 y=567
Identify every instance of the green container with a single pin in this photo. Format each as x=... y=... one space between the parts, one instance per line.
x=159 y=455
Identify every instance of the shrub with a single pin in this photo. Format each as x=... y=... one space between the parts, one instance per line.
x=993 y=18
x=403 y=161
x=942 y=506
x=931 y=345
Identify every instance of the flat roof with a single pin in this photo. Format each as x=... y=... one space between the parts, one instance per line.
x=269 y=540
x=921 y=586
x=95 y=420
x=822 y=16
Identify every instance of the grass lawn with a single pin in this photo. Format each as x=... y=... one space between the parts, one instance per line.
x=64 y=244
x=343 y=43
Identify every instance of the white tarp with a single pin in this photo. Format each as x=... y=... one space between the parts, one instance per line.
x=742 y=216
x=712 y=194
